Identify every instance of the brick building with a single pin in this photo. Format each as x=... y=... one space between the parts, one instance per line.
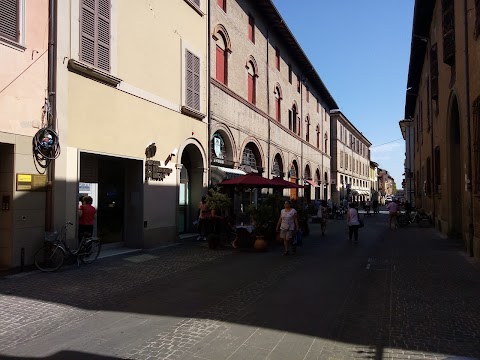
x=350 y=159
x=443 y=99
x=269 y=108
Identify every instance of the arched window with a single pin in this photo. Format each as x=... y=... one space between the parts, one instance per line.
x=252 y=83
x=248 y=157
x=277 y=168
x=318 y=137
x=326 y=143
x=278 y=103
x=292 y=118
x=219 y=153
x=307 y=132
x=222 y=60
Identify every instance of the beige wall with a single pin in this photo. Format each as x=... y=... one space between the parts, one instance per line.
x=145 y=107
x=23 y=82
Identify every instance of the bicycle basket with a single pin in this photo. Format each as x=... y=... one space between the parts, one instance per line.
x=51 y=236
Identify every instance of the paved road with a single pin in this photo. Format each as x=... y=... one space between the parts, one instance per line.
x=403 y=293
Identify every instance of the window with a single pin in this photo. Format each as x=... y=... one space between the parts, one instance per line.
x=307 y=94
x=221 y=63
x=95 y=33
x=341 y=159
x=252 y=83
x=248 y=157
x=326 y=143
x=192 y=80
x=278 y=103
x=307 y=132
x=277 y=58
x=290 y=74
x=476 y=143
x=10 y=20
x=298 y=84
x=251 y=28
x=292 y=119
x=218 y=149
x=318 y=106
x=318 y=137
x=434 y=72
x=448 y=30
x=222 y=4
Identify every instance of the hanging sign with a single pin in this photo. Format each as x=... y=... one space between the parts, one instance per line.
x=153 y=171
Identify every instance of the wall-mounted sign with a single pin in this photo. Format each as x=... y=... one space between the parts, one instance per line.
x=153 y=171
x=31 y=182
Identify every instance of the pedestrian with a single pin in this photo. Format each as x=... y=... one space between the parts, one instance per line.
x=353 y=223
x=287 y=225
x=86 y=218
x=345 y=205
x=393 y=209
x=322 y=215
x=203 y=219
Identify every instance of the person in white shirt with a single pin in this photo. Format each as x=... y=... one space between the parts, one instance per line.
x=287 y=224
x=353 y=222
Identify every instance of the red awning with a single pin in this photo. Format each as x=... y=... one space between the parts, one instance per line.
x=313 y=183
x=280 y=183
x=251 y=180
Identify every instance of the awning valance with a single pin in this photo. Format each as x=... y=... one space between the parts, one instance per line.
x=312 y=183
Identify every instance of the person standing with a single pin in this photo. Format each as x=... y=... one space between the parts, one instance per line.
x=353 y=222
x=203 y=219
x=86 y=218
x=287 y=224
x=393 y=209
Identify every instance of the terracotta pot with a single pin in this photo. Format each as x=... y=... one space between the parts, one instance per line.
x=260 y=243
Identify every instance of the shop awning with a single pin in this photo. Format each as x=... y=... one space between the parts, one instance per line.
x=313 y=183
x=220 y=173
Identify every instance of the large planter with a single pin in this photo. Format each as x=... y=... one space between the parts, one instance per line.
x=260 y=243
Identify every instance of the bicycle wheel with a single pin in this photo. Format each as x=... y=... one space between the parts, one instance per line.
x=402 y=221
x=90 y=251
x=50 y=257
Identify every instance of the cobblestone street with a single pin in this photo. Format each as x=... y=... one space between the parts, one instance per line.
x=403 y=294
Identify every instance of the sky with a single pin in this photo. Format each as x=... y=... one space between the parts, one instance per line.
x=361 y=50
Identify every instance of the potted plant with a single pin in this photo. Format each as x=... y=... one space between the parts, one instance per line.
x=219 y=203
x=264 y=221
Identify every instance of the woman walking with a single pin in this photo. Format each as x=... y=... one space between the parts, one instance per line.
x=353 y=222
x=287 y=224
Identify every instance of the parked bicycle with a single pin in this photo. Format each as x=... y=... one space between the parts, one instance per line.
x=416 y=216
x=55 y=250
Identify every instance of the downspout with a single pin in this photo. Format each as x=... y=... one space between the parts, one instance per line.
x=469 y=140
x=301 y=133
x=268 y=108
x=52 y=113
x=209 y=98
x=430 y=114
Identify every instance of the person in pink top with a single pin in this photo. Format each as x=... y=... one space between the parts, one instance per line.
x=393 y=209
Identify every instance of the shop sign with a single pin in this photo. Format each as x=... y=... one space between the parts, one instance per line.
x=153 y=171
x=31 y=182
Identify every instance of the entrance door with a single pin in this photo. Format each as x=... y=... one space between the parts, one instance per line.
x=111 y=198
x=183 y=201
x=455 y=171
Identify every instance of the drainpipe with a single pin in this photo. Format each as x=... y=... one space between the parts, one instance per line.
x=469 y=140
x=430 y=114
x=301 y=140
x=52 y=114
x=268 y=110
x=209 y=98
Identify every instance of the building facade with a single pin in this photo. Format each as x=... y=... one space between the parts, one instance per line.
x=269 y=108
x=443 y=99
x=23 y=89
x=373 y=175
x=408 y=133
x=350 y=160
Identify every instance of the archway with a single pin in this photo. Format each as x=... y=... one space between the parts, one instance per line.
x=277 y=167
x=293 y=179
x=325 y=186
x=318 y=180
x=455 y=169
x=308 y=188
x=252 y=158
x=190 y=186
x=221 y=149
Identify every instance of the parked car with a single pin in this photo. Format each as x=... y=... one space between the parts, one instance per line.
x=388 y=199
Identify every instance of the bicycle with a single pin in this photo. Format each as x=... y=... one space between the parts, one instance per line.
x=416 y=216
x=51 y=256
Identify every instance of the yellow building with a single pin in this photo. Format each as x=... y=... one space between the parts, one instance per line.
x=130 y=74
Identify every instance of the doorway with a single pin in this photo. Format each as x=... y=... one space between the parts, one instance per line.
x=456 y=211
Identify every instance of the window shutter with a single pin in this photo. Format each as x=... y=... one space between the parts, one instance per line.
x=220 y=66
x=9 y=19
x=192 y=80
x=197 y=2
x=95 y=33
x=250 y=88
x=290 y=119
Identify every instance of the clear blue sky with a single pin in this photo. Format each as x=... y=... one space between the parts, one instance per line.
x=361 y=50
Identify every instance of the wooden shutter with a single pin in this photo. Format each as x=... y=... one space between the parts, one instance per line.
x=95 y=33
x=192 y=80
x=251 y=84
x=223 y=4
x=10 y=19
x=220 y=66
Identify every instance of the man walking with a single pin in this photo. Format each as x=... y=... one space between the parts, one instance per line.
x=393 y=209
